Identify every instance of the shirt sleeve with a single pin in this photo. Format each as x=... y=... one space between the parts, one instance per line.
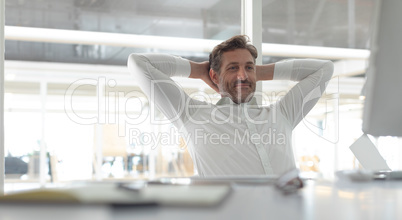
x=153 y=72
x=313 y=77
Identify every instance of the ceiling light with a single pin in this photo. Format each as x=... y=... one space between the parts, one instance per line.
x=170 y=43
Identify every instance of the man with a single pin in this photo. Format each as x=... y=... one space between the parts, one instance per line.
x=235 y=136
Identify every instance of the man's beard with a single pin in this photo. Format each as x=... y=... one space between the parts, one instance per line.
x=239 y=95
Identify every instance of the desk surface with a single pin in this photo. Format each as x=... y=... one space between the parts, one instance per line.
x=318 y=200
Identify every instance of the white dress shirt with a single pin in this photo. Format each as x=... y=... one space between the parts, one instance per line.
x=228 y=138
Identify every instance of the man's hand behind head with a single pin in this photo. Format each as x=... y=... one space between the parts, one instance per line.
x=201 y=71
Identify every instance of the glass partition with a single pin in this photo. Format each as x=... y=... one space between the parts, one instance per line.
x=72 y=74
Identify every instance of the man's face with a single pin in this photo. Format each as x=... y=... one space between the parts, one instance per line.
x=237 y=78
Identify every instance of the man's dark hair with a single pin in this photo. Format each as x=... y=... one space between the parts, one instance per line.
x=236 y=42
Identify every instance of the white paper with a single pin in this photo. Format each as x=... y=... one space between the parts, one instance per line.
x=368 y=155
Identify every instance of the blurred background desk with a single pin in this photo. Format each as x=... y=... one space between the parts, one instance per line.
x=318 y=200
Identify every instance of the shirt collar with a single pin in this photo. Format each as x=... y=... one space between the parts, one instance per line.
x=228 y=101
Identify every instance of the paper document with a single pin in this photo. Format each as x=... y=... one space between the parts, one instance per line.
x=111 y=194
x=368 y=155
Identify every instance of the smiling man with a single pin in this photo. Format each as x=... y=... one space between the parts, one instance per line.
x=236 y=76
x=235 y=136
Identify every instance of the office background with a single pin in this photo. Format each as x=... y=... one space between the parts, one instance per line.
x=45 y=113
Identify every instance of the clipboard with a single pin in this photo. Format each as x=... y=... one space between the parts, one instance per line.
x=125 y=194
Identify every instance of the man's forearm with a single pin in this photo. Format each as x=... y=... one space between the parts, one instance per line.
x=299 y=69
x=265 y=72
x=155 y=66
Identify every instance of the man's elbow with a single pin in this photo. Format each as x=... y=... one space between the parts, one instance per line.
x=328 y=69
x=136 y=62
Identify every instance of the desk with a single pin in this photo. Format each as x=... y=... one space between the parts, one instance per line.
x=318 y=200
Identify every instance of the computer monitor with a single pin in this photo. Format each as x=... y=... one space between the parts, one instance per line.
x=382 y=114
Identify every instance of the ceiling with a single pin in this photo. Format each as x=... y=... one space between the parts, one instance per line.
x=329 y=23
